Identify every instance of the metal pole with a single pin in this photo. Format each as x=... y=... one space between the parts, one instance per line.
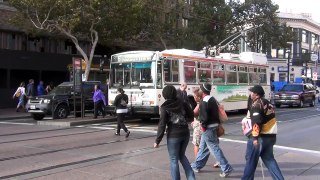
x=288 y=76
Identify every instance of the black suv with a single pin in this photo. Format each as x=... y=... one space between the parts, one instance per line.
x=296 y=94
x=59 y=102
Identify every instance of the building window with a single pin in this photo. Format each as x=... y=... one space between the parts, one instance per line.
x=281 y=53
x=313 y=39
x=304 y=36
x=282 y=77
x=184 y=22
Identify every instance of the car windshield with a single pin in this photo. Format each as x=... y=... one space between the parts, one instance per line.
x=61 y=90
x=294 y=88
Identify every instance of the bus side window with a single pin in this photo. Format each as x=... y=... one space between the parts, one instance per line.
x=190 y=71
x=171 y=70
x=218 y=74
x=243 y=74
x=231 y=74
x=204 y=72
x=253 y=76
x=263 y=76
x=159 y=76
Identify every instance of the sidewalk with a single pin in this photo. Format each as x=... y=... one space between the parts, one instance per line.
x=10 y=113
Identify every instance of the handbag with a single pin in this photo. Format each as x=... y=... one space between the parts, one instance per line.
x=220 y=130
x=222 y=113
x=18 y=94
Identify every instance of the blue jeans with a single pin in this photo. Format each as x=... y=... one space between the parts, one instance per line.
x=177 y=148
x=209 y=143
x=268 y=159
x=264 y=149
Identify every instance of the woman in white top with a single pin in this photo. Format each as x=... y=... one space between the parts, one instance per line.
x=20 y=93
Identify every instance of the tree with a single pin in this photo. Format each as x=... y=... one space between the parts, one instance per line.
x=270 y=33
x=76 y=19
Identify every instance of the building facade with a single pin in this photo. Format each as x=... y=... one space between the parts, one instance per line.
x=300 y=64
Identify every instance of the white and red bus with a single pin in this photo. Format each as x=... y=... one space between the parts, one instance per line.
x=143 y=75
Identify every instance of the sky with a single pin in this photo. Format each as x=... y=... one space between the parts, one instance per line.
x=300 y=6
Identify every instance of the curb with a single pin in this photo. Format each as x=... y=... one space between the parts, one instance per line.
x=12 y=118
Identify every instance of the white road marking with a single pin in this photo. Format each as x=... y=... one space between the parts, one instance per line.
x=277 y=146
x=13 y=123
x=222 y=139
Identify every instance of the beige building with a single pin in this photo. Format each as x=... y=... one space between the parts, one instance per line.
x=300 y=64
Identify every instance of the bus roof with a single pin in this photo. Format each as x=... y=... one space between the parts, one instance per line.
x=243 y=58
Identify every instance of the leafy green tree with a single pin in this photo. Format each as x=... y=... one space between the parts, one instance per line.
x=76 y=19
x=269 y=32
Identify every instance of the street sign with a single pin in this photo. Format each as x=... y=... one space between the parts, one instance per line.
x=314 y=76
x=313 y=57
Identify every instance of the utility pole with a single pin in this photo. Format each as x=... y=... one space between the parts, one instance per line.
x=288 y=76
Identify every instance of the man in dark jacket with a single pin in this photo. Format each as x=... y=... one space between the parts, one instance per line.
x=182 y=93
x=30 y=92
x=262 y=136
x=209 y=143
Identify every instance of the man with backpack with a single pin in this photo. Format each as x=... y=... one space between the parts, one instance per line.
x=261 y=129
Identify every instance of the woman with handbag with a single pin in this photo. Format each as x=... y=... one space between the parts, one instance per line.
x=120 y=102
x=20 y=93
x=174 y=114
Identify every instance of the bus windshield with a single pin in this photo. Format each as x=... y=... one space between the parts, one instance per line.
x=133 y=74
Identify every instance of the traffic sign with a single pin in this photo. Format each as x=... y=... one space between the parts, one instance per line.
x=314 y=76
x=313 y=57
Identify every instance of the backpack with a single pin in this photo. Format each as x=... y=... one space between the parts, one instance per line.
x=177 y=118
x=123 y=102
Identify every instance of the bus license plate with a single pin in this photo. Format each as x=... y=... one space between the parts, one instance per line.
x=32 y=106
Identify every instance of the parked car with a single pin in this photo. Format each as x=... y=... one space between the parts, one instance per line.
x=59 y=102
x=296 y=94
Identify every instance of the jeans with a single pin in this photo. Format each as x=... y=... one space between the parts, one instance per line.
x=99 y=106
x=268 y=158
x=120 y=117
x=176 y=149
x=209 y=143
x=264 y=149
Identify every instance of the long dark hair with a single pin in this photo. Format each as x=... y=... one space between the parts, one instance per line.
x=120 y=90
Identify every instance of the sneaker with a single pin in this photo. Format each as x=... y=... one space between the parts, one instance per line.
x=195 y=170
x=216 y=165
x=128 y=133
x=117 y=134
x=226 y=174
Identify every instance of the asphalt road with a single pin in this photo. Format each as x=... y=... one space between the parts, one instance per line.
x=29 y=151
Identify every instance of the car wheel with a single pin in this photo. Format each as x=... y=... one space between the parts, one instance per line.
x=37 y=116
x=278 y=105
x=301 y=104
x=61 y=112
x=313 y=103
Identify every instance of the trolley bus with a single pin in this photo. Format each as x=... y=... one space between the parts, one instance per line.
x=144 y=74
